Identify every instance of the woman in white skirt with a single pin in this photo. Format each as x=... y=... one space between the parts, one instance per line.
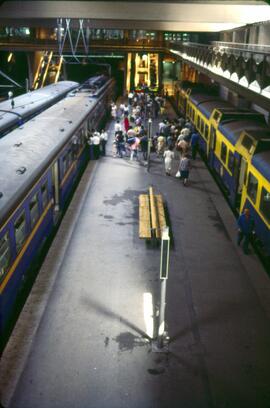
x=168 y=158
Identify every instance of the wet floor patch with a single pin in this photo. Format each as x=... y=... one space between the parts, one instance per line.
x=128 y=341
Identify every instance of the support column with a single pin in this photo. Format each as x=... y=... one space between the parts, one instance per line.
x=160 y=70
x=30 y=66
x=125 y=90
x=132 y=71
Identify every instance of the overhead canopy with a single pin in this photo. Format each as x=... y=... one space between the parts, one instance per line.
x=190 y=15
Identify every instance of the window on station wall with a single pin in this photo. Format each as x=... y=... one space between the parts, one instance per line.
x=172 y=36
x=151 y=35
x=252 y=187
x=139 y=35
x=23 y=32
x=265 y=204
x=102 y=34
x=186 y=37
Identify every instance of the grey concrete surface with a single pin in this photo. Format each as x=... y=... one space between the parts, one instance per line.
x=90 y=348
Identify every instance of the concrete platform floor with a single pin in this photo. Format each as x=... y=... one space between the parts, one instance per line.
x=82 y=340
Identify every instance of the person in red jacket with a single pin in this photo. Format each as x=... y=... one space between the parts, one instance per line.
x=126 y=123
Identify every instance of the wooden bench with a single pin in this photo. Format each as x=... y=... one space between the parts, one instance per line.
x=151 y=215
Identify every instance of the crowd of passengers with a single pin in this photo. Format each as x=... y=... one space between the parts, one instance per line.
x=175 y=139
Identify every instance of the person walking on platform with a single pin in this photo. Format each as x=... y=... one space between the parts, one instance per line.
x=245 y=229
x=117 y=127
x=182 y=147
x=184 y=169
x=126 y=123
x=130 y=98
x=144 y=146
x=134 y=148
x=160 y=145
x=194 y=143
x=119 y=138
x=103 y=142
x=113 y=110
x=168 y=158
x=96 y=144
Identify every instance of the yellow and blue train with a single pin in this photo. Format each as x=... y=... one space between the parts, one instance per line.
x=236 y=145
x=40 y=163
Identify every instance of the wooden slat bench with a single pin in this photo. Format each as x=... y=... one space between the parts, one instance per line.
x=151 y=215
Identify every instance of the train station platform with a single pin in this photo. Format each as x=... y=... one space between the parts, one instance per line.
x=82 y=340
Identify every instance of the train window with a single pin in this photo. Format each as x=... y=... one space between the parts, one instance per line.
x=44 y=195
x=206 y=132
x=5 y=255
x=20 y=231
x=217 y=115
x=34 y=211
x=231 y=161
x=252 y=187
x=247 y=142
x=213 y=138
x=202 y=127
x=223 y=153
x=265 y=204
x=67 y=160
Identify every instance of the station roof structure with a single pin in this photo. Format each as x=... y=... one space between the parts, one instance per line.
x=173 y=15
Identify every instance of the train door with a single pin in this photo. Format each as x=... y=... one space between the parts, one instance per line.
x=241 y=180
x=56 y=188
x=212 y=145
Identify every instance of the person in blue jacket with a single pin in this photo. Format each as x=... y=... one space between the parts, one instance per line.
x=194 y=144
x=245 y=229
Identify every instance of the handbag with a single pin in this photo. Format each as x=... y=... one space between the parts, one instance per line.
x=178 y=175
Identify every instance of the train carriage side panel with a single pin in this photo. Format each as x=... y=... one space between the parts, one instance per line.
x=29 y=226
x=256 y=196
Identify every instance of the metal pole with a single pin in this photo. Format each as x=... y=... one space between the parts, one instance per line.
x=161 y=325
x=149 y=133
x=164 y=271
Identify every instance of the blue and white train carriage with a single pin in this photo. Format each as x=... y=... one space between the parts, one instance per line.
x=30 y=104
x=39 y=164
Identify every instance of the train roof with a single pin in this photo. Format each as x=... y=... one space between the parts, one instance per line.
x=261 y=162
x=207 y=103
x=28 y=150
x=95 y=84
x=233 y=129
x=200 y=97
x=31 y=102
x=208 y=107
